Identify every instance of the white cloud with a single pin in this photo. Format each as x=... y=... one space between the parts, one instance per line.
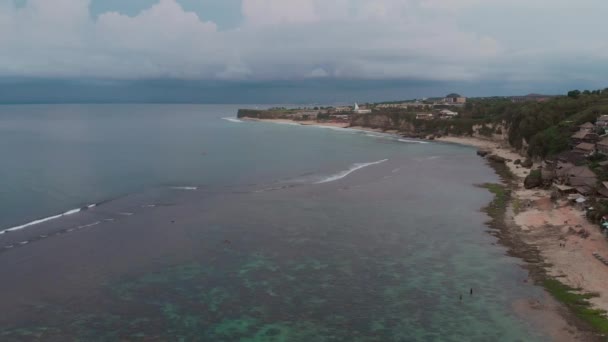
x=272 y=12
x=280 y=39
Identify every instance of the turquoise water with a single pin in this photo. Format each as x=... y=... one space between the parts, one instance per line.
x=280 y=241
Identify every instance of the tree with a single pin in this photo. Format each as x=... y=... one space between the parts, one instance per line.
x=574 y=94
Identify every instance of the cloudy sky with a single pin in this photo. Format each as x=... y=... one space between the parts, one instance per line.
x=547 y=45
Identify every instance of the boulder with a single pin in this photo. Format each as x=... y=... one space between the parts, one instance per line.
x=533 y=180
x=483 y=153
x=496 y=159
x=527 y=163
x=517 y=162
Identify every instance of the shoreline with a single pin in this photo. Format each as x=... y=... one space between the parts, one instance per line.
x=339 y=125
x=544 y=234
x=531 y=230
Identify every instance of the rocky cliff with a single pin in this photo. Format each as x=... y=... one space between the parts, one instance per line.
x=384 y=121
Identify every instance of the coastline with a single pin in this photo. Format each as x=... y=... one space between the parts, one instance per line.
x=546 y=235
x=321 y=124
x=534 y=230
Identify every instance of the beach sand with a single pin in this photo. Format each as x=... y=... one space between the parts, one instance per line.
x=496 y=149
x=545 y=225
x=303 y=123
x=324 y=124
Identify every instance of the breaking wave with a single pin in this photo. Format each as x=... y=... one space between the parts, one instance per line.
x=233 y=120
x=47 y=219
x=187 y=188
x=413 y=141
x=345 y=173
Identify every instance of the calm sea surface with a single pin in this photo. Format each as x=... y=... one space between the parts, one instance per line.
x=210 y=229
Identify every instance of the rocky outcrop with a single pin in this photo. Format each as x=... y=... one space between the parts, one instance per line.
x=483 y=153
x=496 y=159
x=533 y=180
x=527 y=163
x=384 y=121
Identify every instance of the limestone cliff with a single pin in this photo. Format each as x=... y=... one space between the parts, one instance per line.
x=384 y=121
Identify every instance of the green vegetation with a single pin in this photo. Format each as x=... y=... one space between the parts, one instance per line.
x=578 y=303
x=496 y=208
x=546 y=126
x=543 y=126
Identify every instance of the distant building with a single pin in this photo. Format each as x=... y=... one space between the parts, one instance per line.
x=585 y=149
x=425 y=116
x=570 y=157
x=603 y=189
x=393 y=105
x=602 y=121
x=455 y=99
x=583 y=179
x=602 y=146
x=584 y=137
x=447 y=114
x=343 y=109
x=587 y=127
x=359 y=110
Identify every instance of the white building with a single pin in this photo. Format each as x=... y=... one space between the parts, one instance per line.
x=361 y=111
x=447 y=114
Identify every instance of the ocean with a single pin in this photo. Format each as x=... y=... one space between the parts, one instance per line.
x=180 y=222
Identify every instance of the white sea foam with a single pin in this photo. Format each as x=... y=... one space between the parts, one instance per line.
x=286 y=123
x=89 y=225
x=188 y=188
x=274 y=188
x=413 y=141
x=376 y=135
x=36 y=222
x=233 y=120
x=345 y=173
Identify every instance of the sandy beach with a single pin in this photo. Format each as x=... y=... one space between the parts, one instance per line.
x=303 y=123
x=323 y=124
x=495 y=148
x=558 y=230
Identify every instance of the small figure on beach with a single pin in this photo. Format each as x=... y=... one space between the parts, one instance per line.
x=471 y=292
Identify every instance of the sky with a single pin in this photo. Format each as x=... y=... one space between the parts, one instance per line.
x=472 y=46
